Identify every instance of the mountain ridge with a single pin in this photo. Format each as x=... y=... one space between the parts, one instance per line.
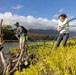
x=50 y=32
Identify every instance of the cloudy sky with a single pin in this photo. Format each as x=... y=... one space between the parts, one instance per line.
x=36 y=14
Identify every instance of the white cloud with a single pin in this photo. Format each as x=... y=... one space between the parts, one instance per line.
x=61 y=10
x=17 y=7
x=72 y=25
x=29 y=21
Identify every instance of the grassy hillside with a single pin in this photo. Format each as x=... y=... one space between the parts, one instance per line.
x=60 y=61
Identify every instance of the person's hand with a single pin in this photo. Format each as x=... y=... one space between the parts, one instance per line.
x=17 y=36
x=58 y=28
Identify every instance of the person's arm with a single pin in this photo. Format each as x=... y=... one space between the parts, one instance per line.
x=19 y=30
x=58 y=28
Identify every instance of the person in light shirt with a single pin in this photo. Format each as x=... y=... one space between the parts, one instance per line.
x=63 y=30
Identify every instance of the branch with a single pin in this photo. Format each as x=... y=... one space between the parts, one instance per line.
x=3 y=60
x=21 y=53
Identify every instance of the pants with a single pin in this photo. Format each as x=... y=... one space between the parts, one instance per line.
x=22 y=41
x=64 y=37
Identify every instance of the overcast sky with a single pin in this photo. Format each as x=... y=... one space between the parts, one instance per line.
x=36 y=14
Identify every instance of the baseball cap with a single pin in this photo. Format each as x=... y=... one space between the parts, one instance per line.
x=16 y=23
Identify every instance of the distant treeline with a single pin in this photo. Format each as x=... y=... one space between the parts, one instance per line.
x=9 y=34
